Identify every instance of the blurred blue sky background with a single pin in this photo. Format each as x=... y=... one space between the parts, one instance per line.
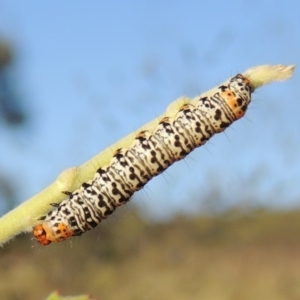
x=90 y=72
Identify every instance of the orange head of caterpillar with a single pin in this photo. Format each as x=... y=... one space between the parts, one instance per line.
x=45 y=234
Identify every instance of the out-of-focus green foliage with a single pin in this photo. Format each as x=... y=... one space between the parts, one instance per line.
x=56 y=296
x=230 y=256
x=12 y=110
x=12 y=114
x=5 y=54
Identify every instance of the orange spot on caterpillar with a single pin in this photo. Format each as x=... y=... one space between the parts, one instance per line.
x=164 y=120
x=141 y=134
x=239 y=109
x=184 y=106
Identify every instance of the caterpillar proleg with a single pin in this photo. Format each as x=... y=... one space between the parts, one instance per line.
x=151 y=152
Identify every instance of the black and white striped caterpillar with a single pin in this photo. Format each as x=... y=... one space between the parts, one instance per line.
x=149 y=155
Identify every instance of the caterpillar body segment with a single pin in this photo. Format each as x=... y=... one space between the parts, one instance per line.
x=149 y=155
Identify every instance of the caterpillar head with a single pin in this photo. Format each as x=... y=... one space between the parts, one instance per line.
x=46 y=233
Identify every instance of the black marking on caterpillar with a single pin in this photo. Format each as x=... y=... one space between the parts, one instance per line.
x=149 y=155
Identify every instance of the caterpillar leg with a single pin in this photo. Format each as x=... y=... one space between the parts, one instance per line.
x=67 y=193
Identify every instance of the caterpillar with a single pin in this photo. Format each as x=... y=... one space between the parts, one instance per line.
x=149 y=155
